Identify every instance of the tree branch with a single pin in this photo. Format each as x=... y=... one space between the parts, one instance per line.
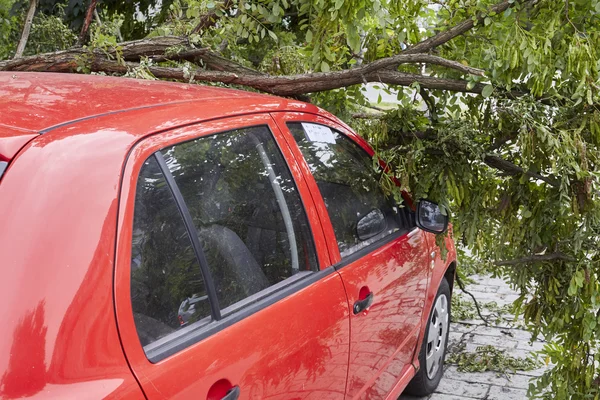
x=535 y=258
x=492 y=160
x=87 y=22
x=211 y=59
x=60 y=61
x=509 y=168
x=457 y=30
x=210 y=19
x=26 y=29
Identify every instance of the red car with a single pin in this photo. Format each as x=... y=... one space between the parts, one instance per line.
x=163 y=240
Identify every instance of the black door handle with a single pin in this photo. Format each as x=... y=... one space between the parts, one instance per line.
x=362 y=305
x=232 y=394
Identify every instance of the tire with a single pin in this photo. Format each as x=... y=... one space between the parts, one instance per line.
x=434 y=344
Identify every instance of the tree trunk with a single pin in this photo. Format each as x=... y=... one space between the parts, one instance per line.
x=87 y=22
x=26 y=29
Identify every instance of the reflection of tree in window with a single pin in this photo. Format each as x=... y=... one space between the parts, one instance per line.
x=164 y=270
x=228 y=182
x=349 y=185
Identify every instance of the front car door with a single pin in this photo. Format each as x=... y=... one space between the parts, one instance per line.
x=223 y=281
x=381 y=256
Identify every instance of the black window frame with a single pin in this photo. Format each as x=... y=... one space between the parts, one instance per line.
x=223 y=318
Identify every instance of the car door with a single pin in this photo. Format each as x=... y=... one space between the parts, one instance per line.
x=380 y=254
x=224 y=287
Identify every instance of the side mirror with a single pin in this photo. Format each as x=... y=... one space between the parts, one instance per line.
x=370 y=225
x=430 y=217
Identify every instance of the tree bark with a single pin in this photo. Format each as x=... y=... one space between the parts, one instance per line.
x=129 y=50
x=26 y=29
x=87 y=22
x=457 y=30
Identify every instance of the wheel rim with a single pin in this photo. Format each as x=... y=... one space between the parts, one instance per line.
x=436 y=336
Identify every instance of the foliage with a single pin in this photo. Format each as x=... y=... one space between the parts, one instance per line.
x=9 y=30
x=49 y=33
x=515 y=165
x=489 y=358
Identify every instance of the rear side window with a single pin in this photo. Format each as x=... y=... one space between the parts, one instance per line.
x=348 y=180
x=236 y=194
x=167 y=288
x=246 y=210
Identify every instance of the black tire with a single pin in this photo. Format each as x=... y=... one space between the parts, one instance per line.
x=425 y=383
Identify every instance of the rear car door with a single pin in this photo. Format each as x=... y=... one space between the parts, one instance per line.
x=380 y=254
x=223 y=282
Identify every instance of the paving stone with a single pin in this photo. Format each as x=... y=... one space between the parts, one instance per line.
x=482 y=288
x=462 y=328
x=508 y=335
x=442 y=396
x=492 y=378
x=496 y=341
x=407 y=397
x=519 y=381
x=506 y=393
x=535 y=346
x=462 y=388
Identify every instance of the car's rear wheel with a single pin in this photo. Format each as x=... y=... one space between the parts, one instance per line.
x=433 y=349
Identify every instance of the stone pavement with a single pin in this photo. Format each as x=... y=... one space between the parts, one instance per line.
x=467 y=335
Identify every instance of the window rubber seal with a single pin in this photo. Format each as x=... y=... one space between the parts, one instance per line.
x=193 y=233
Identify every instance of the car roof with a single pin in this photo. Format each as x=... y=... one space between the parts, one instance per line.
x=39 y=102
x=34 y=103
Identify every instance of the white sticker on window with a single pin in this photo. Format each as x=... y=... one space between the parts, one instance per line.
x=318 y=133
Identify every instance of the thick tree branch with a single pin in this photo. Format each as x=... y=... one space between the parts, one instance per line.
x=509 y=168
x=492 y=160
x=26 y=29
x=535 y=258
x=87 y=22
x=457 y=30
x=61 y=60
x=211 y=59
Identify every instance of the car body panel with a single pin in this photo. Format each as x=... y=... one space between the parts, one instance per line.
x=61 y=210
x=383 y=339
x=12 y=140
x=293 y=341
x=57 y=248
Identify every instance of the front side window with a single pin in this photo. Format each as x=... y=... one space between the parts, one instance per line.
x=349 y=184
x=249 y=220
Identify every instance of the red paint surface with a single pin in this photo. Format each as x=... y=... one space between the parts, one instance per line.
x=66 y=204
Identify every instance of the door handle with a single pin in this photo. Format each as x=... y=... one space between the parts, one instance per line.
x=362 y=305
x=232 y=394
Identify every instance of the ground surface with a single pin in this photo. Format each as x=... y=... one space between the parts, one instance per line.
x=503 y=334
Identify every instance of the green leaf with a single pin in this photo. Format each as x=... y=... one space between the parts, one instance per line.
x=487 y=91
x=324 y=66
x=309 y=36
x=273 y=35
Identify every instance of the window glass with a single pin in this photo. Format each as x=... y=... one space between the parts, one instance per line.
x=349 y=184
x=246 y=209
x=167 y=289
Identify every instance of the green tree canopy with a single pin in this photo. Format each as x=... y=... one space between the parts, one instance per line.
x=497 y=118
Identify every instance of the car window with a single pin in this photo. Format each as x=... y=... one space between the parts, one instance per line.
x=249 y=220
x=349 y=184
x=246 y=209
x=167 y=288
